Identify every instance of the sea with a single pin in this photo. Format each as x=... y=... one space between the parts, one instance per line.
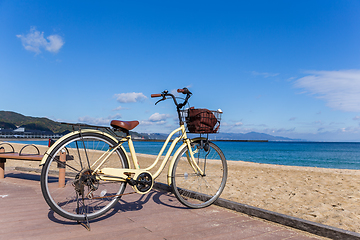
x=340 y=155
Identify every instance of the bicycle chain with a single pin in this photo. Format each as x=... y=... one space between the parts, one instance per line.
x=117 y=195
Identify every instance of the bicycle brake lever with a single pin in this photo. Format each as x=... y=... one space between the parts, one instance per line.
x=164 y=98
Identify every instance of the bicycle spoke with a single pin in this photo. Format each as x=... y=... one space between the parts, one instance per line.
x=66 y=165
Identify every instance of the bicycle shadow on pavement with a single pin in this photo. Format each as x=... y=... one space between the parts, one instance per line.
x=156 y=197
x=28 y=176
x=125 y=206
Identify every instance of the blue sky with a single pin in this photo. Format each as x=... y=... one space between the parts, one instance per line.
x=286 y=68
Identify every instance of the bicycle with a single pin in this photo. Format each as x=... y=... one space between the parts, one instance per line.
x=98 y=167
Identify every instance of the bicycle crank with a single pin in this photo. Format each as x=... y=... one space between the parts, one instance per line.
x=143 y=183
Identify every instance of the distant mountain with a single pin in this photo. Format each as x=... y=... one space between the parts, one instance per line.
x=225 y=136
x=156 y=136
x=250 y=136
x=12 y=120
x=7 y=125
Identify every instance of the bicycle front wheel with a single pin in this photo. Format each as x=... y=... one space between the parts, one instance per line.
x=197 y=190
x=84 y=195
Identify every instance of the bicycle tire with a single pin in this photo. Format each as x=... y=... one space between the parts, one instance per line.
x=70 y=201
x=192 y=189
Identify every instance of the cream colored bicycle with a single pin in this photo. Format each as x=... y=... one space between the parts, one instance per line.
x=97 y=167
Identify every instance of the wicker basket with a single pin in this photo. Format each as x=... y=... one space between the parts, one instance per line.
x=200 y=120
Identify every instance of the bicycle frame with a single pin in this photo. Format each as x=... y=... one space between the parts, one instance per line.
x=98 y=167
x=118 y=174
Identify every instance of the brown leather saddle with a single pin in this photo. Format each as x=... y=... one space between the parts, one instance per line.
x=124 y=126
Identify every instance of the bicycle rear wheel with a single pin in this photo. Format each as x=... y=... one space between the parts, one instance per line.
x=85 y=195
x=190 y=187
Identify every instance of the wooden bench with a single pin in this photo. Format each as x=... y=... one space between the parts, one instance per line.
x=30 y=157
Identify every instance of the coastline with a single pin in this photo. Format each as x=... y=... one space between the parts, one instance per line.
x=135 y=140
x=323 y=195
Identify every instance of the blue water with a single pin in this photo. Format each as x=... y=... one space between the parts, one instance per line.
x=310 y=154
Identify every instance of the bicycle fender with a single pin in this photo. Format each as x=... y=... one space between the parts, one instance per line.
x=176 y=154
x=48 y=152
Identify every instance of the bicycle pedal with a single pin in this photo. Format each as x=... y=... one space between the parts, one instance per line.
x=131 y=181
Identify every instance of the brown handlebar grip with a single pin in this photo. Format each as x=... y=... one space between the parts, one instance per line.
x=156 y=95
x=180 y=90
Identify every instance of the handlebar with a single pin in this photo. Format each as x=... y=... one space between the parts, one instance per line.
x=165 y=94
x=184 y=91
x=156 y=95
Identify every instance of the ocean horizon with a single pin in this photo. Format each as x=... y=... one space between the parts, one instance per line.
x=339 y=155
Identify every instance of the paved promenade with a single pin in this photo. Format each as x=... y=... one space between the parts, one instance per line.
x=158 y=215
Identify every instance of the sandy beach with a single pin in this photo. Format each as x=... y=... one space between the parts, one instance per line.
x=327 y=196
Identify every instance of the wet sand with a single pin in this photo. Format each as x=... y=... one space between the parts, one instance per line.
x=327 y=196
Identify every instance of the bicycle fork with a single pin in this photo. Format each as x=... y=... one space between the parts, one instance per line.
x=192 y=161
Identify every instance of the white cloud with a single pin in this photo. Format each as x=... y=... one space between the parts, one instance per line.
x=319 y=122
x=54 y=44
x=238 y=124
x=157 y=117
x=147 y=122
x=35 y=41
x=119 y=108
x=264 y=74
x=232 y=126
x=130 y=97
x=340 y=89
x=98 y=121
x=278 y=130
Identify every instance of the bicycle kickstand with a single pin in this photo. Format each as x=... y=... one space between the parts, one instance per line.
x=87 y=224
